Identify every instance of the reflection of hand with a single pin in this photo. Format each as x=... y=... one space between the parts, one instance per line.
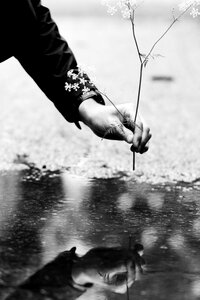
x=112 y=269
x=115 y=124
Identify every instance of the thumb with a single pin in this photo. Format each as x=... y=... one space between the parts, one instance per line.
x=127 y=135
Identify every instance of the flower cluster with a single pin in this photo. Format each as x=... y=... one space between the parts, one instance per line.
x=191 y=5
x=78 y=80
x=125 y=7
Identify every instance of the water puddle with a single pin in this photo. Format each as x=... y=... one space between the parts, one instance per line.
x=104 y=220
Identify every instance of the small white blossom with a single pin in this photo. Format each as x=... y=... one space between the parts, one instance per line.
x=111 y=10
x=70 y=73
x=80 y=71
x=83 y=81
x=194 y=12
x=85 y=90
x=125 y=7
x=68 y=86
x=78 y=79
x=126 y=13
x=74 y=76
x=191 y=5
x=75 y=86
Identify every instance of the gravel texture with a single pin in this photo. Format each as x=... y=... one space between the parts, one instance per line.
x=31 y=128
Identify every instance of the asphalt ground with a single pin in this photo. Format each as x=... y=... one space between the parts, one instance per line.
x=32 y=128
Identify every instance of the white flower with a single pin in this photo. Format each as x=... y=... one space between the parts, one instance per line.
x=194 y=12
x=70 y=73
x=125 y=7
x=187 y=3
x=75 y=86
x=68 y=86
x=126 y=13
x=74 y=76
x=85 y=90
x=80 y=71
x=83 y=81
x=111 y=10
x=191 y=5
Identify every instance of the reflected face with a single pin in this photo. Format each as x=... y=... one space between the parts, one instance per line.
x=120 y=278
x=114 y=269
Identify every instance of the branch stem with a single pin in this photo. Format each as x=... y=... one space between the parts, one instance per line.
x=145 y=60
x=132 y=16
x=165 y=32
x=139 y=92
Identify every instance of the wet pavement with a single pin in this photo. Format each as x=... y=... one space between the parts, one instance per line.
x=42 y=216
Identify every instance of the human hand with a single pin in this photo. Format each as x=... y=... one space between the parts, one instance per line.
x=116 y=124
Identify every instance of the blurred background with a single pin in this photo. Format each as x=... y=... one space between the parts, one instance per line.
x=94 y=7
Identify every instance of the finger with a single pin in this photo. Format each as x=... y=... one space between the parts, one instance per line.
x=136 y=128
x=134 y=149
x=138 y=131
x=122 y=133
x=126 y=135
x=146 y=136
x=131 y=125
x=119 y=132
x=145 y=149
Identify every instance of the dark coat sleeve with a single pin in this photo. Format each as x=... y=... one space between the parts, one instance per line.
x=47 y=58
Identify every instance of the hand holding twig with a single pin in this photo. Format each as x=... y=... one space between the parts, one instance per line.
x=127 y=8
x=143 y=59
x=115 y=123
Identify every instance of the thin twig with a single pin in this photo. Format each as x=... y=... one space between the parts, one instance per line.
x=143 y=62
x=132 y=16
x=129 y=248
x=139 y=92
x=124 y=119
x=166 y=31
x=112 y=103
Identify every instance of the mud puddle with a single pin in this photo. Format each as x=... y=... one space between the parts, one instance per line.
x=41 y=218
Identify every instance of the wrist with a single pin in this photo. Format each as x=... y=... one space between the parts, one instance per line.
x=88 y=109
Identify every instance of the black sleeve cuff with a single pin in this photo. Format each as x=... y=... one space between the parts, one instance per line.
x=79 y=86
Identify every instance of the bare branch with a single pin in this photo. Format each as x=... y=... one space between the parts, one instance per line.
x=132 y=17
x=175 y=19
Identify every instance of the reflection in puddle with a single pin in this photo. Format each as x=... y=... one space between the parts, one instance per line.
x=40 y=219
x=96 y=272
